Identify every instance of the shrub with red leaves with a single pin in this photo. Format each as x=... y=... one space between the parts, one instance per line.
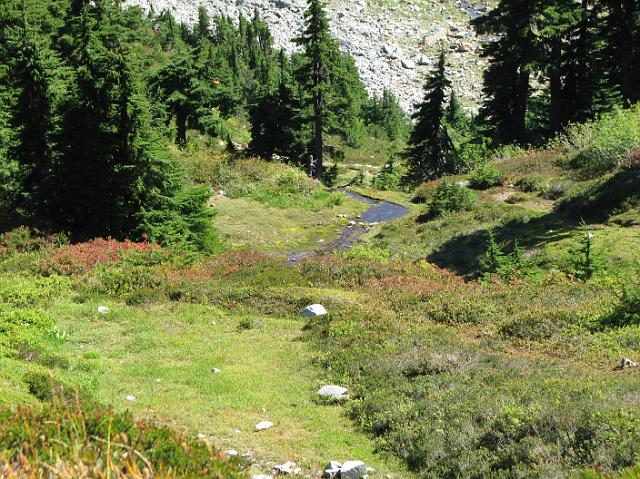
x=81 y=258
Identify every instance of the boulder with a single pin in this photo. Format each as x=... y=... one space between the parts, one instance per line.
x=332 y=470
x=333 y=392
x=287 y=468
x=314 y=311
x=626 y=363
x=264 y=425
x=353 y=470
x=408 y=64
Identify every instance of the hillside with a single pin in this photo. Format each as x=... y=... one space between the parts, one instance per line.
x=394 y=43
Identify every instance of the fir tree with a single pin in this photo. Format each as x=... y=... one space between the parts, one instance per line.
x=507 y=79
x=430 y=153
x=33 y=120
x=320 y=53
x=455 y=115
x=623 y=35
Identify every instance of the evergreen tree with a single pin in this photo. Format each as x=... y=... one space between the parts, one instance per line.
x=320 y=53
x=33 y=120
x=623 y=35
x=455 y=115
x=507 y=79
x=174 y=84
x=430 y=152
x=273 y=117
x=571 y=58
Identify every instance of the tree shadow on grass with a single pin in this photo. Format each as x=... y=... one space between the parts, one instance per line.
x=463 y=254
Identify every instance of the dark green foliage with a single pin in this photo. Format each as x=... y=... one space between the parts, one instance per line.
x=627 y=310
x=455 y=115
x=507 y=79
x=389 y=178
x=430 y=153
x=385 y=114
x=451 y=197
x=88 y=150
x=485 y=176
x=315 y=74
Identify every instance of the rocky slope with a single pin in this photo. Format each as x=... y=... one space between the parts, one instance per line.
x=394 y=42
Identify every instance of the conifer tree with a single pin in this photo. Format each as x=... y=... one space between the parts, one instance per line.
x=33 y=120
x=623 y=35
x=430 y=152
x=455 y=115
x=320 y=53
x=507 y=79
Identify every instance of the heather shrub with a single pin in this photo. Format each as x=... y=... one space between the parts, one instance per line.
x=81 y=258
x=451 y=197
x=485 y=176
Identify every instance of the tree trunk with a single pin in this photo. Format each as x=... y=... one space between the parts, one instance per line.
x=555 y=80
x=181 y=125
x=318 y=143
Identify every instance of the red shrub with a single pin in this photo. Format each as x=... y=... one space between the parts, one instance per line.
x=81 y=258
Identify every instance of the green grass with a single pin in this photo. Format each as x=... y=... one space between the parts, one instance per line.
x=164 y=355
x=246 y=223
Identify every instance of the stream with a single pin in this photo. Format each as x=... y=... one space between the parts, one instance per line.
x=379 y=211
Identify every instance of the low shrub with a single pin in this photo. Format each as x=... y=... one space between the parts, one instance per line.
x=530 y=184
x=81 y=258
x=606 y=143
x=35 y=441
x=626 y=311
x=485 y=176
x=556 y=189
x=451 y=197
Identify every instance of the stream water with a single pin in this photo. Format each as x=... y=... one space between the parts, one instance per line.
x=379 y=211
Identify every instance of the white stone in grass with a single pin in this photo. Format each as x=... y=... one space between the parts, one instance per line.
x=264 y=425
x=232 y=452
x=201 y=436
x=287 y=468
x=216 y=371
x=334 y=392
x=103 y=310
x=626 y=363
x=332 y=470
x=353 y=470
x=130 y=398
x=314 y=311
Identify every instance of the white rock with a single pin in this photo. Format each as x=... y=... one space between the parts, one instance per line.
x=232 y=452
x=353 y=470
x=314 y=310
x=130 y=398
x=216 y=371
x=335 y=392
x=201 y=436
x=332 y=470
x=408 y=64
x=626 y=363
x=103 y=310
x=287 y=468
x=264 y=425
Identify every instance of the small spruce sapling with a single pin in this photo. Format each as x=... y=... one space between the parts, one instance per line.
x=585 y=261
